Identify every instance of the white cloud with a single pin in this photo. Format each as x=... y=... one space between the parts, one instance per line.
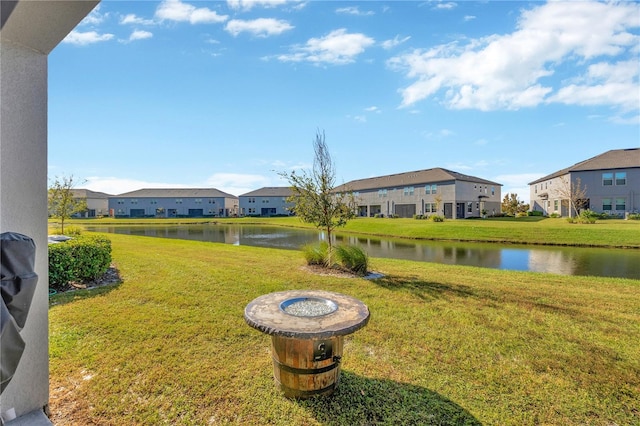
x=354 y=10
x=338 y=47
x=389 y=44
x=514 y=71
x=604 y=84
x=445 y=5
x=140 y=35
x=262 y=27
x=176 y=10
x=135 y=20
x=83 y=39
x=249 y=4
x=94 y=17
x=373 y=109
x=468 y=18
x=237 y=184
x=115 y=186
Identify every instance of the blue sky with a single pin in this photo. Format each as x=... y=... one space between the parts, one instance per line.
x=228 y=95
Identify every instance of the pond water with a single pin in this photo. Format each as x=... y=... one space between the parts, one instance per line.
x=623 y=263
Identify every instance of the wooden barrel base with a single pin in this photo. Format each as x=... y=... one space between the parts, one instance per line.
x=303 y=368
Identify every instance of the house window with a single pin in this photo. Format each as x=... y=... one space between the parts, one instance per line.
x=134 y=201
x=153 y=202
x=120 y=211
x=493 y=190
x=621 y=178
x=555 y=205
x=607 y=179
x=434 y=189
x=120 y=201
x=382 y=193
x=178 y=200
x=606 y=204
x=469 y=207
x=211 y=201
x=535 y=189
x=427 y=189
x=198 y=200
x=265 y=200
x=408 y=190
x=621 y=204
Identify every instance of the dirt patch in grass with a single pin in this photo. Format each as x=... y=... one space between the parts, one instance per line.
x=338 y=273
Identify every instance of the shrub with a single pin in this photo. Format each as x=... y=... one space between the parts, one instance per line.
x=73 y=231
x=436 y=218
x=417 y=216
x=554 y=215
x=352 y=258
x=534 y=213
x=634 y=216
x=81 y=259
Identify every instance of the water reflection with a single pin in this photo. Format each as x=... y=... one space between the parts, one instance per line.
x=557 y=260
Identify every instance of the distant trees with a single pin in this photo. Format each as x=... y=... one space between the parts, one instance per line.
x=62 y=204
x=511 y=205
x=314 y=198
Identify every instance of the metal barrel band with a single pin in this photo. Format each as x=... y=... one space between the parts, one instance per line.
x=294 y=370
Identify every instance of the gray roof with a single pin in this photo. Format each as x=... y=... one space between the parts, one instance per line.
x=87 y=193
x=436 y=175
x=270 y=191
x=176 y=193
x=613 y=159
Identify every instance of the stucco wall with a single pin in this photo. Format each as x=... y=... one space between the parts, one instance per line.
x=23 y=209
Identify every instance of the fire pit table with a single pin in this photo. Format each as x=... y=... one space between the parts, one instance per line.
x=307 y=328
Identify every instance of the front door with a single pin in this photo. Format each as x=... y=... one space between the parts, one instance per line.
x=448 y=210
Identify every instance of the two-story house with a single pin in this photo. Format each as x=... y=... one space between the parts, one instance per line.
x=266 y=201
x=426 y=192
x=174 y=202
x=610 y=183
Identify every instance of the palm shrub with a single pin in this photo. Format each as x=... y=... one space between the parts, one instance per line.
x=352 y=258
x=316 y=254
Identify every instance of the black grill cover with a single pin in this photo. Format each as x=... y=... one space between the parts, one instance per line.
x=17 y=288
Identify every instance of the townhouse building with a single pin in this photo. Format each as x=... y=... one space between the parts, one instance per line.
x=610 y=182
x=174 y=202
x=428 y=192
x=266 y=201
x=97 y=202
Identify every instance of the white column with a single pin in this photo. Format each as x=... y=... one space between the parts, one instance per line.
x=30 y=30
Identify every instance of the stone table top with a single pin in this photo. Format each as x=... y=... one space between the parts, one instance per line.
x=265 y=314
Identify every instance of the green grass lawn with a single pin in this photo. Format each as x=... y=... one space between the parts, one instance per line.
x=444 y=345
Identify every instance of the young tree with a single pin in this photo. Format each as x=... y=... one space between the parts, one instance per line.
x=313 y=196
x=511 y=205
x=574 y=193
x=62 y=204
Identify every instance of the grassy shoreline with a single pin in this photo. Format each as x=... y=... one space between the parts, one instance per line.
x=445 y=344
x=611 y=233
